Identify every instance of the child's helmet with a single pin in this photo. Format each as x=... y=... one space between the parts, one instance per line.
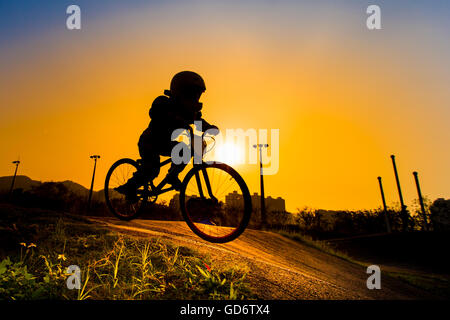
x=185 y=83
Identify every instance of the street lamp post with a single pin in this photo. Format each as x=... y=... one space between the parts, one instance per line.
x=95 y=157
x=386 y=218
x=422 y=206
x=263 y=206
x=405 y=217
x=17 y=162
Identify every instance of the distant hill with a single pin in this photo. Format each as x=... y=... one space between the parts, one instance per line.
x=27 y=183
x=76 y=188
x=21 y=182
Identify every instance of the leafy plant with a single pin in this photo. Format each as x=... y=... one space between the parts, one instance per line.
x=112 y=266
x=16 y=283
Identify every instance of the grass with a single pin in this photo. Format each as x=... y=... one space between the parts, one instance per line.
x=40 y=245
x=320 y=245
x=435 y=284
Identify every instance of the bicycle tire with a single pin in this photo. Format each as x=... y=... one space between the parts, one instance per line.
x=108 y=191
x=247 y=208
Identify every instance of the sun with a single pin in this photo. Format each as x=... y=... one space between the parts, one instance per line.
x=229 y=153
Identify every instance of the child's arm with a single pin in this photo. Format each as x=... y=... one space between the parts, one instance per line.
x=205 y=124
x=178 y=121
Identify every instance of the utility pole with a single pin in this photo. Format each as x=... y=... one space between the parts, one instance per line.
x=263 y=206
x=95 y=157
x=17 y=162
x=386 y=218
x=425 y=223
x=404 y=213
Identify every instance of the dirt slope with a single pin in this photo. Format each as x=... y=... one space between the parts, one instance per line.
x=279 y=268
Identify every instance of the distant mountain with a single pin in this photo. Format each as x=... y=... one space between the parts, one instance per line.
x=21 y=182
x=76 y=188
x=26 y=184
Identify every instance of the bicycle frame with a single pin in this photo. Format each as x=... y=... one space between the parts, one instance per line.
x=156 y=191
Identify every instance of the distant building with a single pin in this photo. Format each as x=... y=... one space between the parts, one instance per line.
x=235 y=199
x=175 y=201
x=272 y=204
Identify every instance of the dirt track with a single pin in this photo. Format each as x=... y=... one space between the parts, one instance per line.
x=279 y=268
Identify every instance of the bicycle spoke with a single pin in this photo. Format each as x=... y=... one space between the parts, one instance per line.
x=216 y=219
x=118 y=203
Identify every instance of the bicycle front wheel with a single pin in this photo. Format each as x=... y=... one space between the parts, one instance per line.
x=119 y=204
x=215 y=202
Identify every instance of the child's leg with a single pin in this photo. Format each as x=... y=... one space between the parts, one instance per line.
x=150 y=162
x=148 y=171
x=175 y=169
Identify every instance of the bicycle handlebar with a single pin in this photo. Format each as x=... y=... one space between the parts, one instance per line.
x=191 y=137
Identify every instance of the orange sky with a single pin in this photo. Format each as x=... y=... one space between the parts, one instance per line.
x=344 y=98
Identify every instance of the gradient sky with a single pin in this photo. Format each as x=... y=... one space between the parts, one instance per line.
x=343 y=97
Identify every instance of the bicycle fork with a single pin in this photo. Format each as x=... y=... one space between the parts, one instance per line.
x=208 y=185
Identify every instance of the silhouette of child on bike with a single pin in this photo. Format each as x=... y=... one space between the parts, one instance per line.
x=178 y=108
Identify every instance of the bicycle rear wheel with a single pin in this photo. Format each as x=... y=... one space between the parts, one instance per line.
x=118 y=204
x=215 y=202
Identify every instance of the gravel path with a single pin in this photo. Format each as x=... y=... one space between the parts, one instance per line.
x=278 y=268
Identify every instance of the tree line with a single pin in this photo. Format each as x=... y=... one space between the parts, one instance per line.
x=319 y=224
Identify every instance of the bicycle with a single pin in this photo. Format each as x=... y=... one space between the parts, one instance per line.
x=215 y=214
